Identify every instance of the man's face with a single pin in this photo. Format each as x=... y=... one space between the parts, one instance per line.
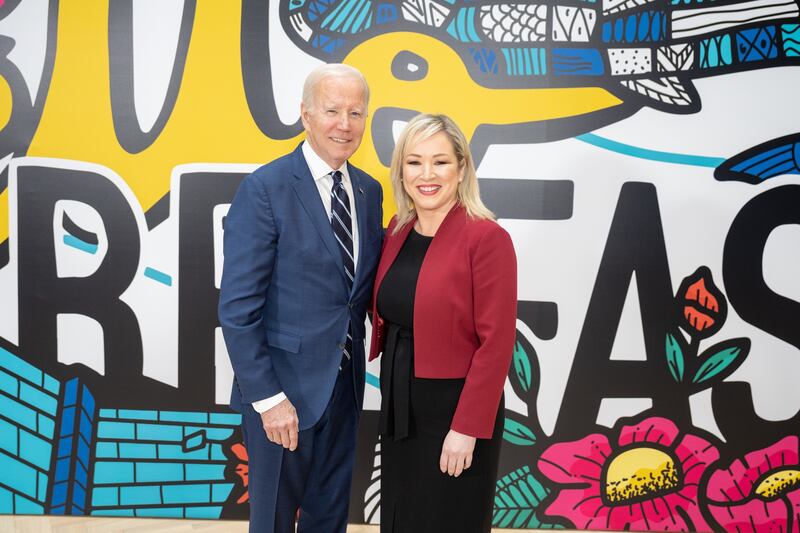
x=335 y=121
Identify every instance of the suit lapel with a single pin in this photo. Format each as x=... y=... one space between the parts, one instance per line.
x=307 y=192
x=360 y=201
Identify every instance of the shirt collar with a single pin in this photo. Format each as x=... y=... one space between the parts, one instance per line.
x=319 y=168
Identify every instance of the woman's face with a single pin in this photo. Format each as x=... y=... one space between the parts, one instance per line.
x=431 y=174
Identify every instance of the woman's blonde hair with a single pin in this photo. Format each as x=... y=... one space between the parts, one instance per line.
x=418 y=129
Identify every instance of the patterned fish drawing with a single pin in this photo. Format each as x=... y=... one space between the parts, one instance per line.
x=646 y=52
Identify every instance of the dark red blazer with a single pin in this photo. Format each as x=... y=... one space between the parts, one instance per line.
x=465 y=312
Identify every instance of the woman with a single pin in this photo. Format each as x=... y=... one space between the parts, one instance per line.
x=444 y=313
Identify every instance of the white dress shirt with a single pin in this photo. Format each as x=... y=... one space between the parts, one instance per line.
x=321 y=172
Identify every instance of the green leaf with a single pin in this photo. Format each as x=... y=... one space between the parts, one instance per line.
x=675 y=361
x=517 y=433
x=522 y=367
x=518 y=496
x=716 y=363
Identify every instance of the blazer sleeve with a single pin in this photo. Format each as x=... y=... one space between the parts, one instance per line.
x=250 y=241
x=494 y=292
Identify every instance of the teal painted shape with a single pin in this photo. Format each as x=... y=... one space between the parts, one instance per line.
x=17 y=412
x=217 y=454
x=360 y=23
x=51 y=384
x=113 y=512
x=116 y=430
x=137 y=450
x=41 y=487
x=184 y=416
x=108 y=473
x=208 y=472
x=716 y=51
x=23 y=505
x=187 y=493
x=159 y=432
x=47 y=426
x=675 y=361
x=35 y=450
x=160 y=512
x=227 y=419
x=174 y=451
x=194 y=441
x=74 y=242
x=652 y=155
x=207 y=512
x=18 y=476
x=38 y=399
x=140 y=495
x=790 y=36
x=105 y=496
x=522 y=367
x=518 y=496
x=716 y=363
x=373 y=380
x=108 y=413
x=157 y=275
x=8 y=437
x=219 y=434
x=106 y=450
x=9 y=384
x=516 y=433
x=221 y=491
x=135 y=414
x=6 y=501
x=19 y=367
x=510 y=70
x=159 y=472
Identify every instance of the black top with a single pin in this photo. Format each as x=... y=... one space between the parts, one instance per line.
x=397 y=291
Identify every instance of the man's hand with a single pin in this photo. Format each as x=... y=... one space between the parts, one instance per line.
x=456 y=453
x=280 y=424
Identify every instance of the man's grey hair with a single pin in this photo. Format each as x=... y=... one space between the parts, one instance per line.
x=331 y=70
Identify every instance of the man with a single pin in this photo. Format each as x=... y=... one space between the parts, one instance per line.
x=302 y=240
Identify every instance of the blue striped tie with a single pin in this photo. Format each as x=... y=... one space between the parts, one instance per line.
x=342 y=224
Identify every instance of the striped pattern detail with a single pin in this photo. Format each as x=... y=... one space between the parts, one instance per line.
x=705 y=20
x=462 y=27
x=573 y=24
x=426 y=12
x=790 y=35
x=716 y=52
x=674 y=58
x=616 y=6
x=783 y=159
x=350 y=16
x=667 y=90
x=342 y=224
x=525 y=61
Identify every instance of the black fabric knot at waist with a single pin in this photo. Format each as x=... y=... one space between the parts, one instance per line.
x=396 y=370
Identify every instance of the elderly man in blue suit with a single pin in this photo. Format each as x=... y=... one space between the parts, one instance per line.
x=302 y=240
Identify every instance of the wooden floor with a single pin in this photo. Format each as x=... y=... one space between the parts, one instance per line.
x=82 y=524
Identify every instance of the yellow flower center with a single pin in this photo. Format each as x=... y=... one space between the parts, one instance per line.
x=640 y=473
x=778 y=483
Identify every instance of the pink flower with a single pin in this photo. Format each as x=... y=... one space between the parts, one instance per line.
x=761 y=493
x=647 y=480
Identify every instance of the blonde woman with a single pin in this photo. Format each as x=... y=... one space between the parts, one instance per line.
x=444 y=313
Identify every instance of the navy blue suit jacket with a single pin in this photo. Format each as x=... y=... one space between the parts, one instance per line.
x=284 y=304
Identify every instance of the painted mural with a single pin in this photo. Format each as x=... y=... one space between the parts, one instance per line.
x=643 y=154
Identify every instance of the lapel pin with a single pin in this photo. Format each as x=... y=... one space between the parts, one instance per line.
x=360 y=190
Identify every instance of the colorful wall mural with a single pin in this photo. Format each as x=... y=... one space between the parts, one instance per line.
x=643 y=154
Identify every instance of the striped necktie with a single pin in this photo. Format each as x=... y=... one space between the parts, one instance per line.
x=342 y=224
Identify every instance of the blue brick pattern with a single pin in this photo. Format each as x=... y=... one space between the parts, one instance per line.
x=161 y=463
x=28 y=407
x=73 y=456
x=60 y=454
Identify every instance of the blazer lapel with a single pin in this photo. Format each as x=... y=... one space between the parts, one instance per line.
x=360 y=201
x=393 y=245
x=307 y=192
